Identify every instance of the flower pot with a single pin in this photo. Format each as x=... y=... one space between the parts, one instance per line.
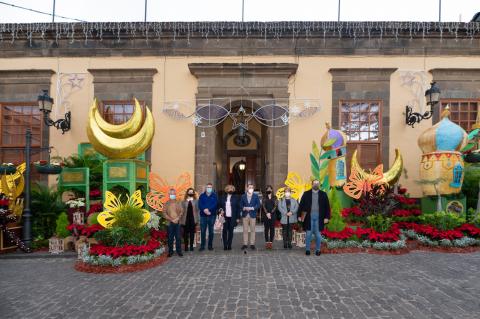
x=49 y=169
x=7 y=169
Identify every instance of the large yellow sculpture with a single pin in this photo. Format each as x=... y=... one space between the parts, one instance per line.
x=335 y=142
x=297 y=185
x=390 y=177
x=113 y=204
x=12 y=185
x=122 y=141
x=442 y=167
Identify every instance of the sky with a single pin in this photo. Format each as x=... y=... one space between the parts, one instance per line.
x=231 y=10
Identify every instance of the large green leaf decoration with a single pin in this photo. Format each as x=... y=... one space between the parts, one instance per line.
x=323 y=165
x=468 y=147
x=327 y=154
x=315 y=150
x=314 y=167
x=329 y=142
x=325 y=184
x=473 y=133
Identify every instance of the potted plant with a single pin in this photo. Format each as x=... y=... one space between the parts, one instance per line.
x=7 y=168
x=57 y=242
x=52 y=168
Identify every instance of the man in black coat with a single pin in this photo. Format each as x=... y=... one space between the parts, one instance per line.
x=315 y=213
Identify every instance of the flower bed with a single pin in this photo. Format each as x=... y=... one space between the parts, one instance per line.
x=109 y=265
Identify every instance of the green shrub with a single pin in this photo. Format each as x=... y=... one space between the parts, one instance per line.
x=129 y=217
x=120 y=236
x=379 y=223
x=62 y=223
x=442 y=220
x=92 y=219
x=336 y=223
x=46 y=205
x=470 y=184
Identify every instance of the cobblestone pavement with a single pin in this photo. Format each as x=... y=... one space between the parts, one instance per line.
x=260 y=284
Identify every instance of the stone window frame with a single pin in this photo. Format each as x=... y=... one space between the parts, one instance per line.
x=455 y=113
x=126 y=115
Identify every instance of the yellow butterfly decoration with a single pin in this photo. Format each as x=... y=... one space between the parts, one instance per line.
x=113 y=204
x=296 y=184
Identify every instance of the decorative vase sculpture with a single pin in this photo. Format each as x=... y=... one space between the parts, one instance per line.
x=442 y=167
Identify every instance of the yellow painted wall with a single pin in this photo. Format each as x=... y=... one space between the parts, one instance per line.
x=173 y=144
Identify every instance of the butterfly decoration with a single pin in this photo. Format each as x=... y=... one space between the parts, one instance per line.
x=113 y=204
x=360 y=183
x=159 y=189
x=296 y=184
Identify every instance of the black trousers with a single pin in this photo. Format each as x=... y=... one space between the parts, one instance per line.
x=188 y=236
x=227 y=233
x=287 y=234
x=269 y=225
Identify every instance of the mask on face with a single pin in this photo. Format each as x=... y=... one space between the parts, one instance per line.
x=173 y=196
x=209 y=190
x=269 y=192
x=230 y=192
x=191 y=194
x=250 y=190
x=288 y=194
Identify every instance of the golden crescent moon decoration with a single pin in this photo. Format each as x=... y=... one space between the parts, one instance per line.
x=120 y=147
x=389 y=177
x=126 y=129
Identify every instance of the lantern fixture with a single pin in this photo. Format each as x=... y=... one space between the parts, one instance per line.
x=242 y=165
x=45 y=103
x=432 y=95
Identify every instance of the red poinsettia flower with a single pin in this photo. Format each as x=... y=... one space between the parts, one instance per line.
x=127 y=250
x=345 y=234
x=353 y=211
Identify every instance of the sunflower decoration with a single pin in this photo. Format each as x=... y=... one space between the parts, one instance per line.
x=296 y=184
x=113 y=204
x=159 y=187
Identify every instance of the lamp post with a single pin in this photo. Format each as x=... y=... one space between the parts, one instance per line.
x=432 y=96
x=27 y=214
x=45 y=103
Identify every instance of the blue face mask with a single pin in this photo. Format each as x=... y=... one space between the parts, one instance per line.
x=173 y=196
x=209 y=190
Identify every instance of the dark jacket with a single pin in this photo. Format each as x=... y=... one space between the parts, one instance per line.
x=183 y=220
x=235 y=203
x=254 y=202
x=210 y=202
x=269 y=205
x=306 y=206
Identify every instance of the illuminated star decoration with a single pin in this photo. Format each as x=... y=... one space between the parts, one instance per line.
x=75 y=81
x=240 y=119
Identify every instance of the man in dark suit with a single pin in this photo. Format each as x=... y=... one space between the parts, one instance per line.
x=315 y=213
x=230 y=210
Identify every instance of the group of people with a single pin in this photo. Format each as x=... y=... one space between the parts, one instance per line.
x=185 y=214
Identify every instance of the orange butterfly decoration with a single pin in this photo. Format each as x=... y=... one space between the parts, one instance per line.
x=360 y=183
x=159 y=189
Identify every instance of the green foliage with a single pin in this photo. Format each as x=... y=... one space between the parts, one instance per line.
x=129 y=217
x=442 y=220
x=62 y=223
x=379 y=223
x=471 y=182
x=121 y=236
x=336 y=223
x=46 y=205
x=92 y=219
x=91 y=161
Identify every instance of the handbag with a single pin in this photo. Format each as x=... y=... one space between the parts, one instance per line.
x=219 y=223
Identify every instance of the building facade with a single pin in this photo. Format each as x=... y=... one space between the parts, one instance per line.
x=359 y=76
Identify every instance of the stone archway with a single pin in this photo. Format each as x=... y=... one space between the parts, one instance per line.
x=237 y=81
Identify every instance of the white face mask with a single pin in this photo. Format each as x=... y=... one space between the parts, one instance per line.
x=250 y=190
x=288 y=194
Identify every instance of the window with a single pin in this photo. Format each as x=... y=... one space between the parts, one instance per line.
x=462 y=112
x=15 y=118
x=118 y=112
x=360 y=121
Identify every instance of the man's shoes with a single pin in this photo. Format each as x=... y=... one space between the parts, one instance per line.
x=244 y=247
x=318 y=253
x=169 y=255
x=180 y=254
x=307 y=253
x=201 y=249
x=210 y=248
x=252 y=247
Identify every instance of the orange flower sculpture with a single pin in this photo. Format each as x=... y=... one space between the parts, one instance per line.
x=159 y=189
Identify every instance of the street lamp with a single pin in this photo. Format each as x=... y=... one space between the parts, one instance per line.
x=242 y=165
x=432 y=96
x=45 y=103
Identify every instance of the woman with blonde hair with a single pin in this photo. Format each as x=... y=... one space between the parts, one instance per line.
x=229 y=207
x=190 y=218
x=288 y=208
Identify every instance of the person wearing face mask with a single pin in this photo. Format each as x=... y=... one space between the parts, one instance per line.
x=173 y=212
x=269 y=207
x=249 y=205
x=315 y=210
x=189 y=219
x=230 y=210
x=207 y=205
x=288 y=208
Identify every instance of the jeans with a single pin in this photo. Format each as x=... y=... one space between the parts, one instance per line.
x=206 y=221
x=314 y=228
x=227 y=232
x=269 y=229
x=173 y=231
x=287 y=234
